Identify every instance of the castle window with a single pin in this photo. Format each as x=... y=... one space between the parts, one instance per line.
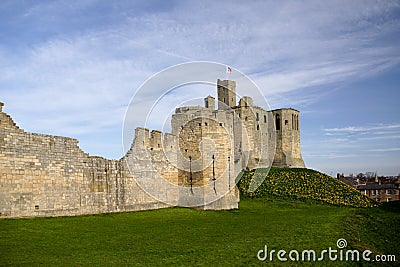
x=265 y=118
x=205 y=123
x=245 y=118
x=224 y=100
x=277 y=122
x=292 y=122
x=220 y=124
x=258 y=127
x=257 y=117
x=36 y=207
x=200 y=124
x=286 y=122
x=158 y=145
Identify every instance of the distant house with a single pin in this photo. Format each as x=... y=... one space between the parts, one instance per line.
x=380 y=192
x=382 y=189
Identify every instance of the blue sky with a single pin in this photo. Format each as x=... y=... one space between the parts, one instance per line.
x=70 y=68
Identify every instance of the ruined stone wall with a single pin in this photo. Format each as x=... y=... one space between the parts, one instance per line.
x=246 y=135
x=31 y=164
x=152 y=163
x=264 y=137
x=258 y=133
x=45 y=175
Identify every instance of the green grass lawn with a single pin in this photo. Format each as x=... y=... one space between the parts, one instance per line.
x=376 y=229
x=179 y=236
x=288 y=211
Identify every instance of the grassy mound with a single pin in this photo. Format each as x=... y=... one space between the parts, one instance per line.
x=304 y=184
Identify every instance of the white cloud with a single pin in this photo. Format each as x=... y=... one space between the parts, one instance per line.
x=391 y=149
x=384 y=137
x=353 y=129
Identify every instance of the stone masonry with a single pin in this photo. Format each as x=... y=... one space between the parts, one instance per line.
x=194 y=166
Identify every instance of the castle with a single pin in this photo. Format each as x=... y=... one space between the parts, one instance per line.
x=193 y=166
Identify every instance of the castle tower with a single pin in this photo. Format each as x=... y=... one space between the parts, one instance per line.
x=226 y=94
x=287 y=128
x=155 y=140
x=209 y=102
x=141 y=138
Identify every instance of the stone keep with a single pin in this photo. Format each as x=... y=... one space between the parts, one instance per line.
x=287 y=138
x=193 y=166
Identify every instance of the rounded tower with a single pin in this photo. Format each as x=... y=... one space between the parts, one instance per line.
x=287 y=128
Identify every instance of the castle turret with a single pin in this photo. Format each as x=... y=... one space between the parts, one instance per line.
x=246 y=101
x=287 y=130
x=141 y=137
x=209 y=102
x=155 y=140
x=226 y=94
